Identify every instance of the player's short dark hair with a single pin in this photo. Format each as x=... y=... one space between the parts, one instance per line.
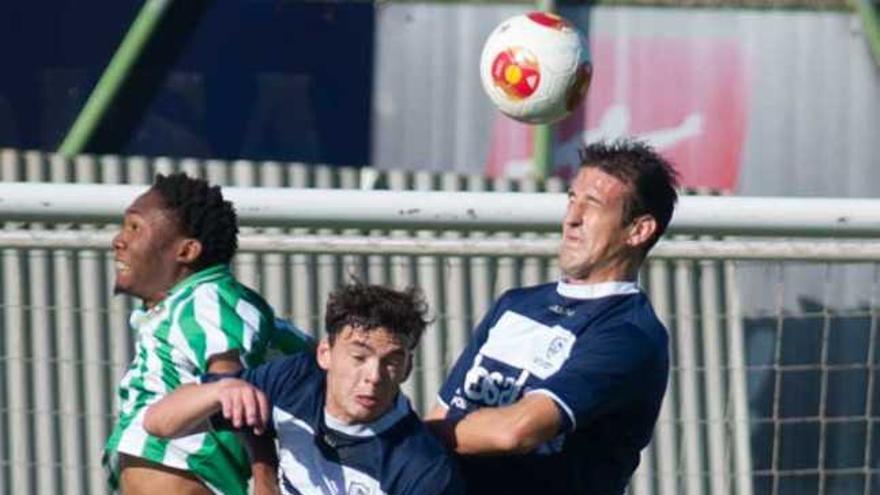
x=652 y=180
x=368 y=307
x=202 y=214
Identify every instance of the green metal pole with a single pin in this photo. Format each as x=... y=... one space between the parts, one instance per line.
x=114 y=75
x=871 y=24
x=542 y=150
x=542 y=153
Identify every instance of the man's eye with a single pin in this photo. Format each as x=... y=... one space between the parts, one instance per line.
x=359 y=357
x=394 y=363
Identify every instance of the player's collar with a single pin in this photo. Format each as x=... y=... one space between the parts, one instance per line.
x=208 y=274
x=141 y=316
x=399 y=411
x=595 y=291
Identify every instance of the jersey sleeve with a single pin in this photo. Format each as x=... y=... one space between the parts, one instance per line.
x=603 y=370
x=213 y=325
x=287 y=338
x=280 y=377
x=466 y=358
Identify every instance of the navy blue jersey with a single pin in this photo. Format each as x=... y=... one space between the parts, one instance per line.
x=599 y=352
x=393 y=455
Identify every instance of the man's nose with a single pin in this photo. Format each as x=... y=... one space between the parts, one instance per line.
x=117 y=242
x=373 y=372
x=573 y=214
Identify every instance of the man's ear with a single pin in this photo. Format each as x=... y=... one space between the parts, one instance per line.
x=323 y=354
x=189 y=250
x=641 y=230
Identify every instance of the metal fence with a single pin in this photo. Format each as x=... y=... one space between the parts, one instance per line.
x=65 y=340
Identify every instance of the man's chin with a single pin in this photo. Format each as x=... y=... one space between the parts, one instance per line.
x=368 y=415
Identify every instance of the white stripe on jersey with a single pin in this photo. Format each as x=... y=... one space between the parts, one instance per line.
x=134 y=437
x=207 y=314
x=138 y=317
x=280 y=416
x=176 y=452
x=527 y=344
x=304 y=466
x=180 y=344
x=250 y=317
x=153 y=376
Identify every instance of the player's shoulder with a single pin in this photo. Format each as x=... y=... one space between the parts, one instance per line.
x=422 y=461
x=417 y=440
x=640 y=314
x=230 y=292
x=632 y=317
x=223 y=298
x=302 y=364
x=293 y=383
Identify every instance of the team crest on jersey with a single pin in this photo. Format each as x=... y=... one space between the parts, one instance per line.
x=358 y=488
x=556 y=346
x=555 y=353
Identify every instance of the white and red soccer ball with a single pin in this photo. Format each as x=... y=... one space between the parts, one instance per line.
x=536 y=67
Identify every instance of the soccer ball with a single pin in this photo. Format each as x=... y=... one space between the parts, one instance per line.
x=536 y=67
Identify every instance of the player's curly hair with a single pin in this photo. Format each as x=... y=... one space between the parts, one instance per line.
x=652 y=180
x=202 y=214
x=367 y=307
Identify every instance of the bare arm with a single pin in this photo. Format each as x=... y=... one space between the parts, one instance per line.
x=261 y=448
x=513 y=429
x=186 y=409
x=264 y=463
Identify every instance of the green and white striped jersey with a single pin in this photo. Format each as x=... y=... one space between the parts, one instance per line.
x=204 y=315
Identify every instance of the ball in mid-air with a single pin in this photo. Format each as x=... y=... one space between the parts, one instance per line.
x=536 y=67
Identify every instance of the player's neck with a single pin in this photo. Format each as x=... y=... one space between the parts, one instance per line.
x=614 y=273
x=181 y=274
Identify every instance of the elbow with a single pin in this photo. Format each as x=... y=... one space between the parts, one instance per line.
x=155 y=424
x=516 y=440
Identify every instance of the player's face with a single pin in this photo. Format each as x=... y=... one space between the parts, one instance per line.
x=594 y=238
x=364 y=372
x=146 y=250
